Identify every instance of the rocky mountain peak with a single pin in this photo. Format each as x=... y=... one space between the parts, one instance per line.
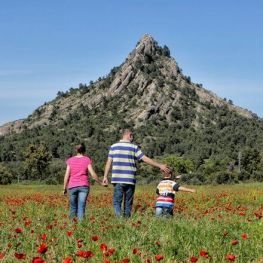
x=148 y=85
x=147 y=45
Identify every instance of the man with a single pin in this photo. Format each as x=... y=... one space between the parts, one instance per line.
x=122 y=157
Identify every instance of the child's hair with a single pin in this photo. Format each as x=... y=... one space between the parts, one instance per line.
x=80 y=148
x=169 y=174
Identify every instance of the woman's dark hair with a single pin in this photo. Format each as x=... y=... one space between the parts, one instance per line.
x=80 y=148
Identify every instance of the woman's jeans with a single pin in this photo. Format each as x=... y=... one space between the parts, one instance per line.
x=164 y=211
x=78 y=198
x=125 y=193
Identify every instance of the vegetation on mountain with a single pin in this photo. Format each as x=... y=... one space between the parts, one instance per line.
x=208 y=139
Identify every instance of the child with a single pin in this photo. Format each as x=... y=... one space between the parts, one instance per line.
x=166 y=192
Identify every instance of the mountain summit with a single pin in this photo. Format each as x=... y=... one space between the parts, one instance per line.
x=149 y=79
x=149 y=92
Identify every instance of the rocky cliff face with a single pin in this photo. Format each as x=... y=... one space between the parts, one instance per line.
x=147 y=84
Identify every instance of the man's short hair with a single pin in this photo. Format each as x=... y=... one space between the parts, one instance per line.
x=125 y=131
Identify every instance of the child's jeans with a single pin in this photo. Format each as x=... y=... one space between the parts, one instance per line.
x=163 y=211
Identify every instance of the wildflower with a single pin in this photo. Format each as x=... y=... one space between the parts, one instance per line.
x=159 y=257
x=234 y=242
x=95 y=238
x=203 y=254
x=18 y=230
x=42 y=248
x=2 y=255
x=244 y=236
x=136 y=251
x=67 y=260
x=84 y=254
x=103 y=247
x=43 y=237
x=158 y=243
x=69 y=233
x=231 y=257
x=38 y=260
x=193 y=259
x=20 y=255
x=125 y=260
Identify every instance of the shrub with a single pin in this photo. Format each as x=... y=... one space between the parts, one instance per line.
x=5 y=175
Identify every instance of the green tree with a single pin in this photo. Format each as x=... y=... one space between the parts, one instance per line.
x=37 y=159
x=179 y=164
x=5 y=175
x=250 y=160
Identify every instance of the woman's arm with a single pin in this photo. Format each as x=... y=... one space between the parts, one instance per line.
x=94 y=175
x=66 y=179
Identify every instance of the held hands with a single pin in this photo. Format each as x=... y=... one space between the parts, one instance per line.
x=164 y=168
x=105 y=182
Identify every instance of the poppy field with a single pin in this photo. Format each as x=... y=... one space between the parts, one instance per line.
x=216 y=224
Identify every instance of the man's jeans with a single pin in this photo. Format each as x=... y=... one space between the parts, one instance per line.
x=164 y=211
x=126 y=192
x=78 y=198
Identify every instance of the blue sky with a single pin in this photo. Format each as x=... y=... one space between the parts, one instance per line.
x=50 y=46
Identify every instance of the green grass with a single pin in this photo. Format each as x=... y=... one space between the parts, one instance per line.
x=208 y=220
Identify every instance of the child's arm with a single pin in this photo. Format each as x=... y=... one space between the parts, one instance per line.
x=184 y=189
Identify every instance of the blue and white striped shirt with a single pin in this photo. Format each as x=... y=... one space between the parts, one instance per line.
x=123 y=155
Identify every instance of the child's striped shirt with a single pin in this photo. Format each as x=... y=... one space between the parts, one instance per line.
x=166 y=192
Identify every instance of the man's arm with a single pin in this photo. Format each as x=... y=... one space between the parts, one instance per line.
x=107 y=170
x=151 y=162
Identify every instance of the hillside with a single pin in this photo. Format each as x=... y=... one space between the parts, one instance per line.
x=170 y=114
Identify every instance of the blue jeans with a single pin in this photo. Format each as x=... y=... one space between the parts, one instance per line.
x=78 y=198
x=125 y=193
x=163 y=211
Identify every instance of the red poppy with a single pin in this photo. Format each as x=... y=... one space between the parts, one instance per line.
x=106 y=261
x=244 y=236
x=234 y=242
x=69 y=233
x=2 y=255
x=193 y=259
x=84 y=254
x=80 y=245
x=148 y=261
x=231 y=257
x=28 y=222
x=111 y=250
x=203 y=254
x=18 y=230
x=136 y=251
x=159 y=257
x=20 y=255
x=125 y=260
x=38 y=260
x=42 y=248
x=258 y=214
x=158 y=243
x=95 y=238
x=103 y=247
x=43 y=237
x=67 y=260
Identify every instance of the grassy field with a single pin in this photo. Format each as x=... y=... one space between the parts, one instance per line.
x=217 y=224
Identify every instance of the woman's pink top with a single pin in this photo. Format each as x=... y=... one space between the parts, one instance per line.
x=78 y=175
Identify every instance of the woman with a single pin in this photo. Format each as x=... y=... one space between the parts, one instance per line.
x=76 y=181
